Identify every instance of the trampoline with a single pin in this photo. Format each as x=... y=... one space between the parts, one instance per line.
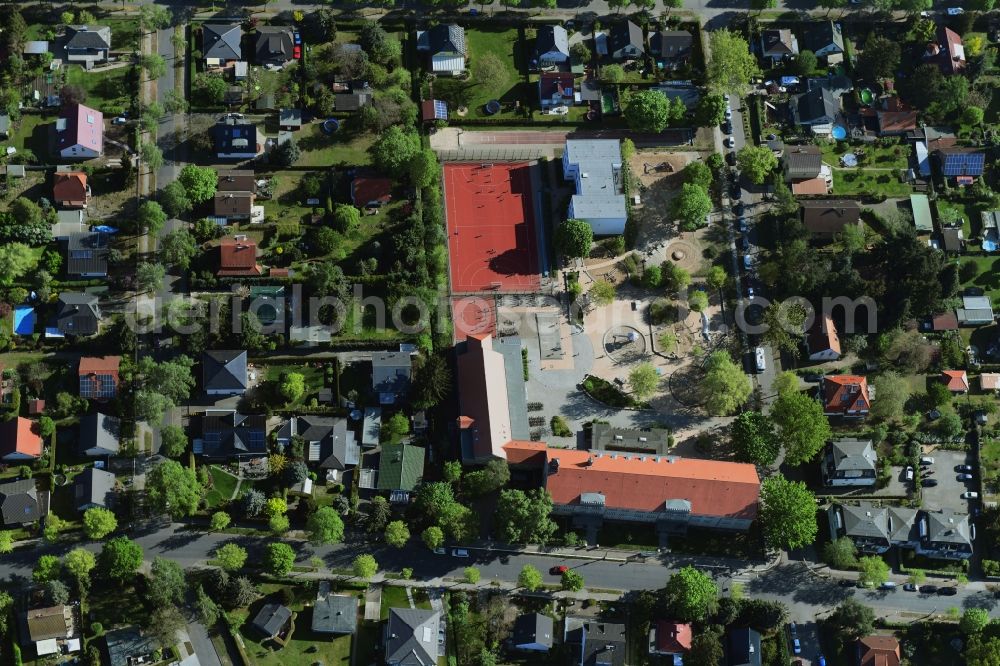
x=849 y=160
x=331 y=125
x=492 y=107
x=24 y=320
x=839 y=132
x=867 y=96
x=989 y=246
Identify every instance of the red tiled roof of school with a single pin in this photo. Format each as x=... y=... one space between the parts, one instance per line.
x=525 y=453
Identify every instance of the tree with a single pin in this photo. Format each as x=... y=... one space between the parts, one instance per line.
x=692 y=206
x=581 y=52
x=711 y=110
x=613 y=73
x=805 y=63
x=166 y=585
x=293 y=386
x=643 y=379
x=691 y=595
x=530 y=578
x=471 y=575
x=493 y=476
x=164 y=623
x=208 y=610
x=46 y=568
x=173 y=441
x=571 y=581
x=757 y=162
x=523 y=517
x=754 y=439
x=949 y=426
x=573 y=238
x=27 y=212
x=173 y=378
x=647 y=111
x=121 y=558
x=397 y=534
x=879 y=58
x=973 y=115
x=199 y=182
x=432 y=537
x=423 y=168
x=175 y=102
x=802 y=426
x=15 y=260
x=325 y=526
x=173 y=488
x=99 y=522
x=53 y=526
x=175 y=202
x=279 y=558
x=6 y=542
x=378 y=514
x=602 y=292
x=364 y=566
x=154 y=64
x=489 y=69
x=151 y=155
x=982 y=651
x=154 y=17
x=394 y=149
x=178 y=248
x=788 y=513
x=706 y=649
x=892 y=391
x=731 y=65
x=433 y=383
x=725 y=386
x=209 y=88
x=56 y=592
x=79 y=563
x=231 y=557
x=974 y=620
x=874 y=571
x=253 y=502
x=220 y=520
x=149 y=276
x=286 y=154
x=698 y=173
x=697 y=300
x=841 y=553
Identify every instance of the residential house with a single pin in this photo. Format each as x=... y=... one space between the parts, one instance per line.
x=274 y=46
x=352 y=101
x=594 y=642
x=943 y=321
x=272 y=620
x=847 y=396
x=290 y=120
x=822 y=341
x=805 y=172
x=493 y=405
x=654 y=441
x=778 y=45
x=99 y=435
x=80 y=133
x=70 y=189
x=49 y=629
x=20 y=440
x=21 y=503
x=369 y=192
x=824 y=219
x=957 y=381
x=962 y=164
x=432 y=110
x=825 y=39
x=817 y=109
x=334 y=613
x=227 y=434
x=400 y=467
x=878 y=651
x=669 y=492
x=237 y=139
x=87 y=44
x=556 y=89
x=77 y=314
x=551 y=47
x=94 y=488
x=328 y=442
x=743 y=647
x=220 y=44
x=99 y=377
x=391 y=375
x=87 y=254
x=989 y=381
x=371 y=427
x=625 y=41
x=896 y=118
x=953 y=239
x=233 y=206
x=670 y=638
x=238 y=257
x=532 y=632
x=224 y=372
x=921 y=207
x=975 y=311
x=874 y=529
x=595 y=167
x=445 y=47
x=850 y=462
x=945 y=535
x=946 y=51
x=672 y=48
x=130 y=646
x=412 y=637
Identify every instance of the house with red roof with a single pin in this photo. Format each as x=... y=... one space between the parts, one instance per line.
x=556 y=89
x=238 y=258
x=822 y=341
x=878 y=651
x=946 y=51
x=99 y=377
x=20 y=439
x=70 y=189
x=669 y=638
x=668 y=492
x=957 y=381
x=80 y=131
x=369 y=192
x=847 y=396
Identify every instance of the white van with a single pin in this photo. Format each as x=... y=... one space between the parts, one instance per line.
x=761 y=360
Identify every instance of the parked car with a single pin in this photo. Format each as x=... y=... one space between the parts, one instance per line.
x=459 y=552
x=440 y=551
x=760 y=359
x=297 y=52
x=120 y=120
x=750 y=293
x=559 y=570
x=909 y=473
x=969 y=494
x=297 y=37
x=727 y=128
x=948 y=591
x=812 y=378
x=965 y=477
x=796 y=646
x=955 y=11
x=730 y=142
x=926 y=460
x=910 y=587
x=729 y=113
x=963 y=468
x=735 y=192
x=747 y=262
x=739 y=208
x=888 y=585
x=928 y=483
x=731 y=158
x=742 y=222
x=928 y=589
x=744 y=242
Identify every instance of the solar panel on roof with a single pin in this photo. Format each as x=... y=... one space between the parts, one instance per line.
x=962 y=164
x=440 y=110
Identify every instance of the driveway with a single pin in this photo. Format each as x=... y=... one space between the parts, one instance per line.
x=947 y=494
x=203 y=646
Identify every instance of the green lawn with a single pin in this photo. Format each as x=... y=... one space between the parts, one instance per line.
x=31 y=135
x=869 y=181
x=313 y=380
x=874 y=156
x=988 y=277
x=952 y=211
x=990 y=457
x=508 y=88
x=223 y=486
x=304 y=649
x=393 y=597
x=286 y=204
x=107 y=90
x=344 y=148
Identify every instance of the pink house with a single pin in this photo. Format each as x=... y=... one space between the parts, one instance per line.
x=80 y=133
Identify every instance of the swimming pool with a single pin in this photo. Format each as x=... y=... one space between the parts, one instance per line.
x=839 y=132
x=24 y=320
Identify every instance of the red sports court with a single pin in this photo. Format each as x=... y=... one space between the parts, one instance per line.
x=492 y=239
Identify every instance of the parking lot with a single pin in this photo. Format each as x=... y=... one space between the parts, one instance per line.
x=947 y=493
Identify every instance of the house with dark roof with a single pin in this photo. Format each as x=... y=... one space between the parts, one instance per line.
x=224 y=372
x=411 y=637
x=328 y=443
x=87 y=44
x=220 y=43
x=957 y=381
x=556 y=89
x=825 y=39
x=21 y=503
x=391 y=375
x=99 y=377
x=824 y=219
x=80 y=133
x=271 y=620
x=945 y=535
x=236 y=180
x=942 y=321
x=400 y=467
x=273 y=46
x=804 y=170
x=20 y=440
x=87 y=254
x=874 y=529
x=878 y=651
x=594 y=642
x=975 y=311
x=445 y=47
x=334 y=613
x=816 y=108
x=289 y=120
x=77 y=314
x=237 y=139
x=847 y=396
x=670 y=638
x=99 y=435
x=238 y=257
x=962 y=164
x=778 y=44
x=743 y=647
x=94 y=488
x=48 y=628
x=351 y=101
x=625 y=41
x=850 y=462
x=233 y=206
x=946 y=51
x=953 y=239
x=551 y=47
x=70 y=189
x=672 y=48
x=532 y=632
x=130 y=646
x=822 y=341
x=227 y=434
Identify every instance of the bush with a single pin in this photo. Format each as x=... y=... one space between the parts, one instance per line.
x=662 y=311
x=991 y=567
x=560 y=428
